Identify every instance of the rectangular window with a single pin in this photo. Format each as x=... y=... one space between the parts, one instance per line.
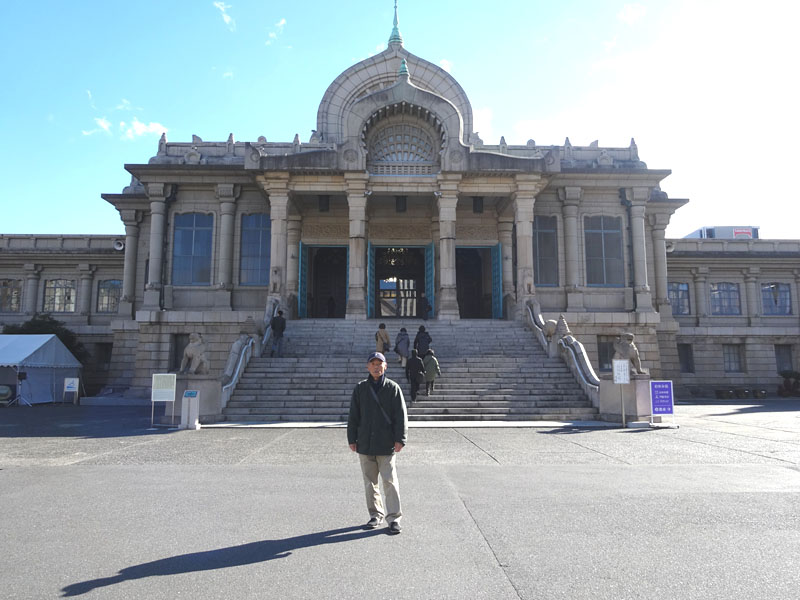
x=59 y=296
x=477 y=205
x=324 y=203
x=254 y=251
x=678 y=294
x=725 y=299
x=400 y=204
x=179 y=341
x=10 y=294
x=605 y=352
x=733 y=358
x=783 y=358
x=604 y=258
x=109 y=292
x=776 y=298
x=102 y=354
x=686 y=358
x=545 y=251
x=191 y=249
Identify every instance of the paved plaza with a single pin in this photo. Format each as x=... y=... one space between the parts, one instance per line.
x=95 y=504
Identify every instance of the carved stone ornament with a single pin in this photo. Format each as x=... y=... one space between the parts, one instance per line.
x=475 y=232
x=350 y=155
x=194 y=356
x=388 y=231
x=456 y=157
x=326 y=230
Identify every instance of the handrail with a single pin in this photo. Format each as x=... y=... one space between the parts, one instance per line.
x=268 y=314
x=584 y=369
x=537 y=323
x=244 y=357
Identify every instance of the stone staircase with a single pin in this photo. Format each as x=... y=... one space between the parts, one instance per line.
x=491 y=371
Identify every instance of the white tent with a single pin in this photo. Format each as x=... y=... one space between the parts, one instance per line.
x=45 y=362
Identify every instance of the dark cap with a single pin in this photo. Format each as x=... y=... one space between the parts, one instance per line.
x=377 y=355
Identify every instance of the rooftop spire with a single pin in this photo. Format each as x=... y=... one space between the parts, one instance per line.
x=395 y=38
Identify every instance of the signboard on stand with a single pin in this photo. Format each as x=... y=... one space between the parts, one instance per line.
x=163 y=390
x=662 y=401
x=71 y=388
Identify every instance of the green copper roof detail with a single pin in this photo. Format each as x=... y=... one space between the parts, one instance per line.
x=395 y=38
x=403 y=71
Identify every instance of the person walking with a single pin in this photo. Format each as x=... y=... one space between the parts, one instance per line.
x=424 y=306
x=422 y=341
x=377 y=429
x=415 y=374
x=382 y=341
x=402 y=343
x=431 y=371
x=278 y=326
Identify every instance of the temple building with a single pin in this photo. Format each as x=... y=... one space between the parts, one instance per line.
x=393 y=204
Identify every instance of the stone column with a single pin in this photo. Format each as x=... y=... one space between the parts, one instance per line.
x=700 y=275
x=505 y=229
x=131 y=219
x=32 y=276
x=86 y=276
x=528 y=186
x=447 y=200
x=571 y=199
x=278 y=213
x=294 y=226
x=226 y=193
x=357 y=195
x=751 y=294
x=660 y=264
x=158 y=194
x=644 y=300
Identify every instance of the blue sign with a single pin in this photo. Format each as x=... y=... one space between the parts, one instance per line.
x=661 y=400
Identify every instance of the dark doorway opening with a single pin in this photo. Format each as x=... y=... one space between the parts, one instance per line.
x=474 y=282
x=400 y=279
x=327 y=294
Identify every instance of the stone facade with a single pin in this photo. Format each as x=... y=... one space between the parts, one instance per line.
x=393 y=196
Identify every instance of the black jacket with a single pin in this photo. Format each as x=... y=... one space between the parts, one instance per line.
x=422 y=342
x=415 y=369
x=278 y=325
x=366 y=425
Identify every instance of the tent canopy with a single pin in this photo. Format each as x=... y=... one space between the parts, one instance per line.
x=35 y=350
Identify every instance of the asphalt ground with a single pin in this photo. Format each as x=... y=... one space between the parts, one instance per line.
x=95 y=504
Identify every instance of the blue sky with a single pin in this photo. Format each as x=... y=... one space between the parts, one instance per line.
x=707 y=89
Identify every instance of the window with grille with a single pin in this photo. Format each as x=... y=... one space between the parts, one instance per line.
x=254 y=250
x=604 y=258
x=686 y=358
x=784 y=361
x=678 y=293
x=191 y=250
x=776 y=298
x=605 y=352
x=545 y=251
x=109 y=292
x=402 y=149
x=725 y=299
x=733 y=358
x=59 y=296
x=10 y=294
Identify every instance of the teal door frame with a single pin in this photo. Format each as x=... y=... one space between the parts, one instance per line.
x=497 y=277
x=430 y=272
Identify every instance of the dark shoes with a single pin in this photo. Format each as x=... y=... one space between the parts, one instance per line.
x=394 y=528
x=373 y=523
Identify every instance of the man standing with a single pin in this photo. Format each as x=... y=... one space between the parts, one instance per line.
x=377 y=428
x=278 y=325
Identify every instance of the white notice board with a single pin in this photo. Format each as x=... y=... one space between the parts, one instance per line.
x=622 y=371
x=163 y=390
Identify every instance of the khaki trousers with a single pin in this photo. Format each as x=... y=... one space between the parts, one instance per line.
x=371 y=467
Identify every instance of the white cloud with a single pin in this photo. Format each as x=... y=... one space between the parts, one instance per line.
x=229 y=21
x=280 y=24
x=103 y=125
x=631 y=14
x=273 y=35
x=136 y=129
x=446 y=64
x=227 y=75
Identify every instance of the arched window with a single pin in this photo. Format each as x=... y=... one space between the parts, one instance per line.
x=402 y=149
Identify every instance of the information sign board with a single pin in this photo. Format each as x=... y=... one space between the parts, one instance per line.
x=661 y=399
x=622 y=370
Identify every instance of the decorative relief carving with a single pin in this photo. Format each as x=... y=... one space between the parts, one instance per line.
x=326 y=230
x=350 y=155
x=476 y=232
x=405 y=232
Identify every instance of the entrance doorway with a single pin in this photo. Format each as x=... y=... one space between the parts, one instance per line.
x=326 y=296
x=400 y=281
x=474 y=283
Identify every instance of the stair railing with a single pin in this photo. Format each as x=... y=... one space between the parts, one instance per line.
x=270 y=310
x=245 y=352
x=557 y=339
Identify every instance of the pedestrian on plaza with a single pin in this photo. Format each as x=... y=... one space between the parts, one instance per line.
x=382 y=342
x=415 y=374
x=377 y=428
x=422 y=341
x=431 y=371
x=402 y=343
x=278 y=326
x=424 y=306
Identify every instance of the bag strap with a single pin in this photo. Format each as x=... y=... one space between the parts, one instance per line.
x=375 y=397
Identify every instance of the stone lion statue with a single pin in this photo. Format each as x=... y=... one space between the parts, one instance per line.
x=625 y=349
x=194 y=356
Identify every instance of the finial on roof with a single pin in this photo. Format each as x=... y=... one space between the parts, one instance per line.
x=395 y=38
x=403 y=70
